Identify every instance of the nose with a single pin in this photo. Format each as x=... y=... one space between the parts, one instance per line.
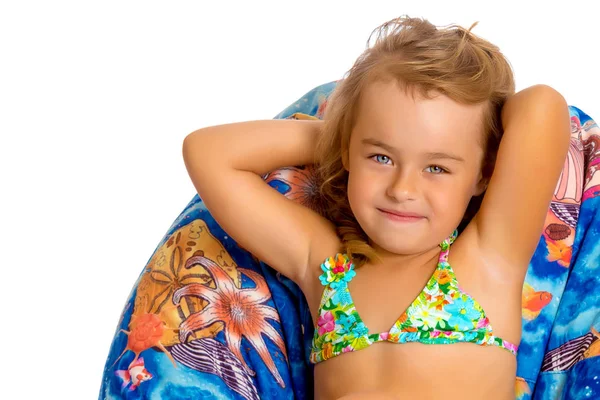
x=404 y=186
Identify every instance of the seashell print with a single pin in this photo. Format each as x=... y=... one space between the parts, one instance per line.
x=566 y=212
x=211 y=356
x=558 y=231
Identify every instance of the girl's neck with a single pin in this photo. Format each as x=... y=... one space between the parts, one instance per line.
x=407 y=261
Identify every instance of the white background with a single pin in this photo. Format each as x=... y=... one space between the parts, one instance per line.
x=97 y=97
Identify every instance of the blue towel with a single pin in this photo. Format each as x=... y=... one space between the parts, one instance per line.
x=206 y=319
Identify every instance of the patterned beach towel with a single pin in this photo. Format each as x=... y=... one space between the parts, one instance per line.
x=206 y=319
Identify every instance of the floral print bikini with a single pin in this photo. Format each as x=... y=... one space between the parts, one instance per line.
x=442 y=313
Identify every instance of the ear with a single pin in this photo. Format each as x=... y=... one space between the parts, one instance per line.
x=345 y=159
x=481 y=185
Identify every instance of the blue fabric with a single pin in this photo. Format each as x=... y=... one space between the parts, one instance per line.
x=569 y=334
x=197 y=275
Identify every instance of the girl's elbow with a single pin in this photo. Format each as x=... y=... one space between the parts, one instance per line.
x=195 y=145
x=186 y=149
x=192 y=139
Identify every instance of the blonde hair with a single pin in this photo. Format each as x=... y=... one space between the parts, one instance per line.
x=418 y=55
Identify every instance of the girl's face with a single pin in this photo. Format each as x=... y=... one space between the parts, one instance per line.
x=412 y=156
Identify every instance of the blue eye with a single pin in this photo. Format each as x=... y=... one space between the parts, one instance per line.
x=439 y=169
x=381 y=159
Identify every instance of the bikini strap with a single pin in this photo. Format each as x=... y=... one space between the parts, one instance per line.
x=338 y=268
x=445 y=245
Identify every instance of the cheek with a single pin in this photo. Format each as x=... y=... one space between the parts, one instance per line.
x=447 y=203
x=361 y=191
x=451 y=205
x=354 y=190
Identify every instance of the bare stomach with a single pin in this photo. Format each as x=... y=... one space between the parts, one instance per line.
x=369 y=395
x=389 y=371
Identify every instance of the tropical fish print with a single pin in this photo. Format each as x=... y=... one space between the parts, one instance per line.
x=135 y=374
x=533 y=302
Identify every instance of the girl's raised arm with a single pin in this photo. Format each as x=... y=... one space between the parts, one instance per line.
x=530 y=159
x=226 y=163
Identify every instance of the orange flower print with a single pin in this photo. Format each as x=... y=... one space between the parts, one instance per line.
x=403 y=318
x=440 y=302
x=442 y=276
x=327 y=350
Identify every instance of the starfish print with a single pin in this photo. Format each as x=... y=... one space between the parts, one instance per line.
x=303 y=185
x=241 y=310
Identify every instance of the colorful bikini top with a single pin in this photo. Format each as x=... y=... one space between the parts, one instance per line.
x=441 y=314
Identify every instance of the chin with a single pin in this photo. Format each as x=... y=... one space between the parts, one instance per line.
x=398 y=243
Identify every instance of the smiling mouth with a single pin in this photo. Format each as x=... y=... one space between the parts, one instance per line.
x=400 y=217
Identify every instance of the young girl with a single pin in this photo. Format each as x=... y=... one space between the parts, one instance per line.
x=402 y=306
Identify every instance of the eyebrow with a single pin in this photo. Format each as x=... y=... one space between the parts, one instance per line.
x=431 y=155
